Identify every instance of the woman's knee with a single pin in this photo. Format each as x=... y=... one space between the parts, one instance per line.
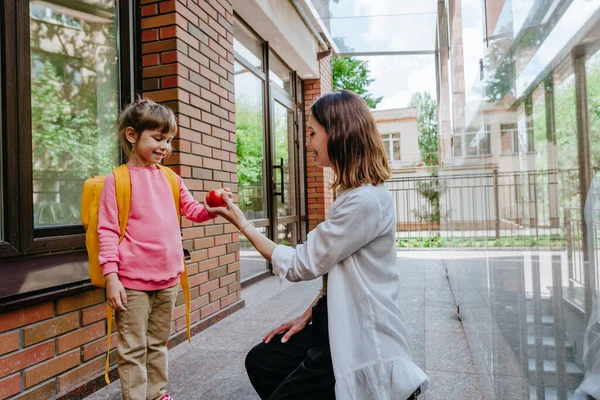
x=255 y=357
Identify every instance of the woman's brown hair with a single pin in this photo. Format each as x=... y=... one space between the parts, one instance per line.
x=353 y=142
x=143 y=115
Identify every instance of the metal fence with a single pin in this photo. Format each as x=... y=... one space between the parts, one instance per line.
x=491 y=209
x=538 y=210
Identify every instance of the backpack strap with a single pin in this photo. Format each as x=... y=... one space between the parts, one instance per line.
x=123 y=192
x=185 y=283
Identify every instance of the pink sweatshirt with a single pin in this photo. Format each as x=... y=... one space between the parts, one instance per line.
x=150 y=257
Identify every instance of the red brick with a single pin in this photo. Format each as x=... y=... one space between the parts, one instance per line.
x=150 y=60
x=44 y=391
x=198 y=279
x=80 y=337
x=9 y=342
x=168 y=57
x=10 y=386
x=217 y=294
x=228 y=300
x=158 y=21
x=167 y=6
x=148 y=10
x=25 y=316
x=98 y=347
x=54 y=327
x=169 y=81
x=67 y=304
x=51 y=368
x=80 y=374
x=150 y=35
x=209 y=286
x=210 y=309
x=93 y=314
x=23 y=359
x=168 y=32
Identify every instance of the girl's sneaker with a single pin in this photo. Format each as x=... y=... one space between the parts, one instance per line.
x=166 y=397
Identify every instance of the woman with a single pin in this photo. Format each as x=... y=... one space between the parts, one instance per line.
x=352 y=342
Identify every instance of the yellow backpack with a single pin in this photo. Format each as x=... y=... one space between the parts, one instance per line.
x=90 y=200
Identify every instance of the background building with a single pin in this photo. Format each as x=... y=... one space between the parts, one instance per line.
x=400 y=134
x=239 y=76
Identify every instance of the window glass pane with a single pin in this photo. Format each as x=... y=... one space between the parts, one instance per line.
x=396 y=150
x=74 y=104
x=279 y=74
x=246 y=45
x=251 y=262
x=250 y=143
x=283 y=165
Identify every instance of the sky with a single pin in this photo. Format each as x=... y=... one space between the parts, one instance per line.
x=390 y=25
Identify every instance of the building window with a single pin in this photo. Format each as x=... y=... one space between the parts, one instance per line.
x=391 y=144
x=457 y=145
x=478 y=143
x=515 y=140
x=280 y=75
x=61 y=86
x=53 y=16
x=75 y=102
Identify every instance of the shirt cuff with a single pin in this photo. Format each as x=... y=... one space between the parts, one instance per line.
x=281 y=260
x=110 y=267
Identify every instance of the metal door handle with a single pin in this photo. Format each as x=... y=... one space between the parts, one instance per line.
x=282 y=192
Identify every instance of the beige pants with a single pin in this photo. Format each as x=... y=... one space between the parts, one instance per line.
x=144 y=330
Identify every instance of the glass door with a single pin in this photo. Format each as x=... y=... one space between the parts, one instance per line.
x=284 y=174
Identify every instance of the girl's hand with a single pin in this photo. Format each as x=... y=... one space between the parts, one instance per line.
x=292 y=327
x=115 y=292
x=231 y=212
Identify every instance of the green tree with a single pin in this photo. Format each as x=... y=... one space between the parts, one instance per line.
x=250 y=152
x=427 y=124
x=353 y=74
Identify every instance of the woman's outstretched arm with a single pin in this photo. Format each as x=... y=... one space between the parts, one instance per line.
x=233 y=214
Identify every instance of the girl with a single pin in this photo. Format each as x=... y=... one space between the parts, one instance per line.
x=142 y=272
x=357 y=346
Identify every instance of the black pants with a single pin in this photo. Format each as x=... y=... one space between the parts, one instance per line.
x=298 y=369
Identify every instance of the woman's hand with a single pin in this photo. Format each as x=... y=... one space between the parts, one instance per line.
x=292 y=327
x=115 y=292
x=231 y=212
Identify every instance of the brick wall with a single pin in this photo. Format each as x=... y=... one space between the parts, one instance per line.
x=58 y=347
x=318 y=179
x=187 y=60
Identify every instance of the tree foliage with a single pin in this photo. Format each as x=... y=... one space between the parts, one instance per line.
x=427 y=125
x=353 y=74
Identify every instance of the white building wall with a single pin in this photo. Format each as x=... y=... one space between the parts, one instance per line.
x=278 y=22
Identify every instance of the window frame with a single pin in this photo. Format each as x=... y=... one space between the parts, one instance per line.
x=388 y=140
x=20 y=237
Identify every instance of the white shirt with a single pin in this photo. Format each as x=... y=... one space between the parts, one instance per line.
x=370 y=345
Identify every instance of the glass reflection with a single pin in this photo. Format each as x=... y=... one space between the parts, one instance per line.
x=524 y=94
x=74 y=104
x=251 y=262
x=250 y=143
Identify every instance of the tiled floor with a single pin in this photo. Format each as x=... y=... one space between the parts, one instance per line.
x=212 y=366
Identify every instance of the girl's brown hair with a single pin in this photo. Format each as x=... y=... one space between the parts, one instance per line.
x=353 y=142
x=142 y=115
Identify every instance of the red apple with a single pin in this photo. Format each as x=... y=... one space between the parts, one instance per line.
x=214 y=199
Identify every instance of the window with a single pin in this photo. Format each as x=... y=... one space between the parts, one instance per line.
x=279 y=74
x=74 y=110
x=391 y=144
x=246 y=45
x=48 y=14
x=61 y=82
x=457 y=145
x=477 y=143
x=515 y=142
